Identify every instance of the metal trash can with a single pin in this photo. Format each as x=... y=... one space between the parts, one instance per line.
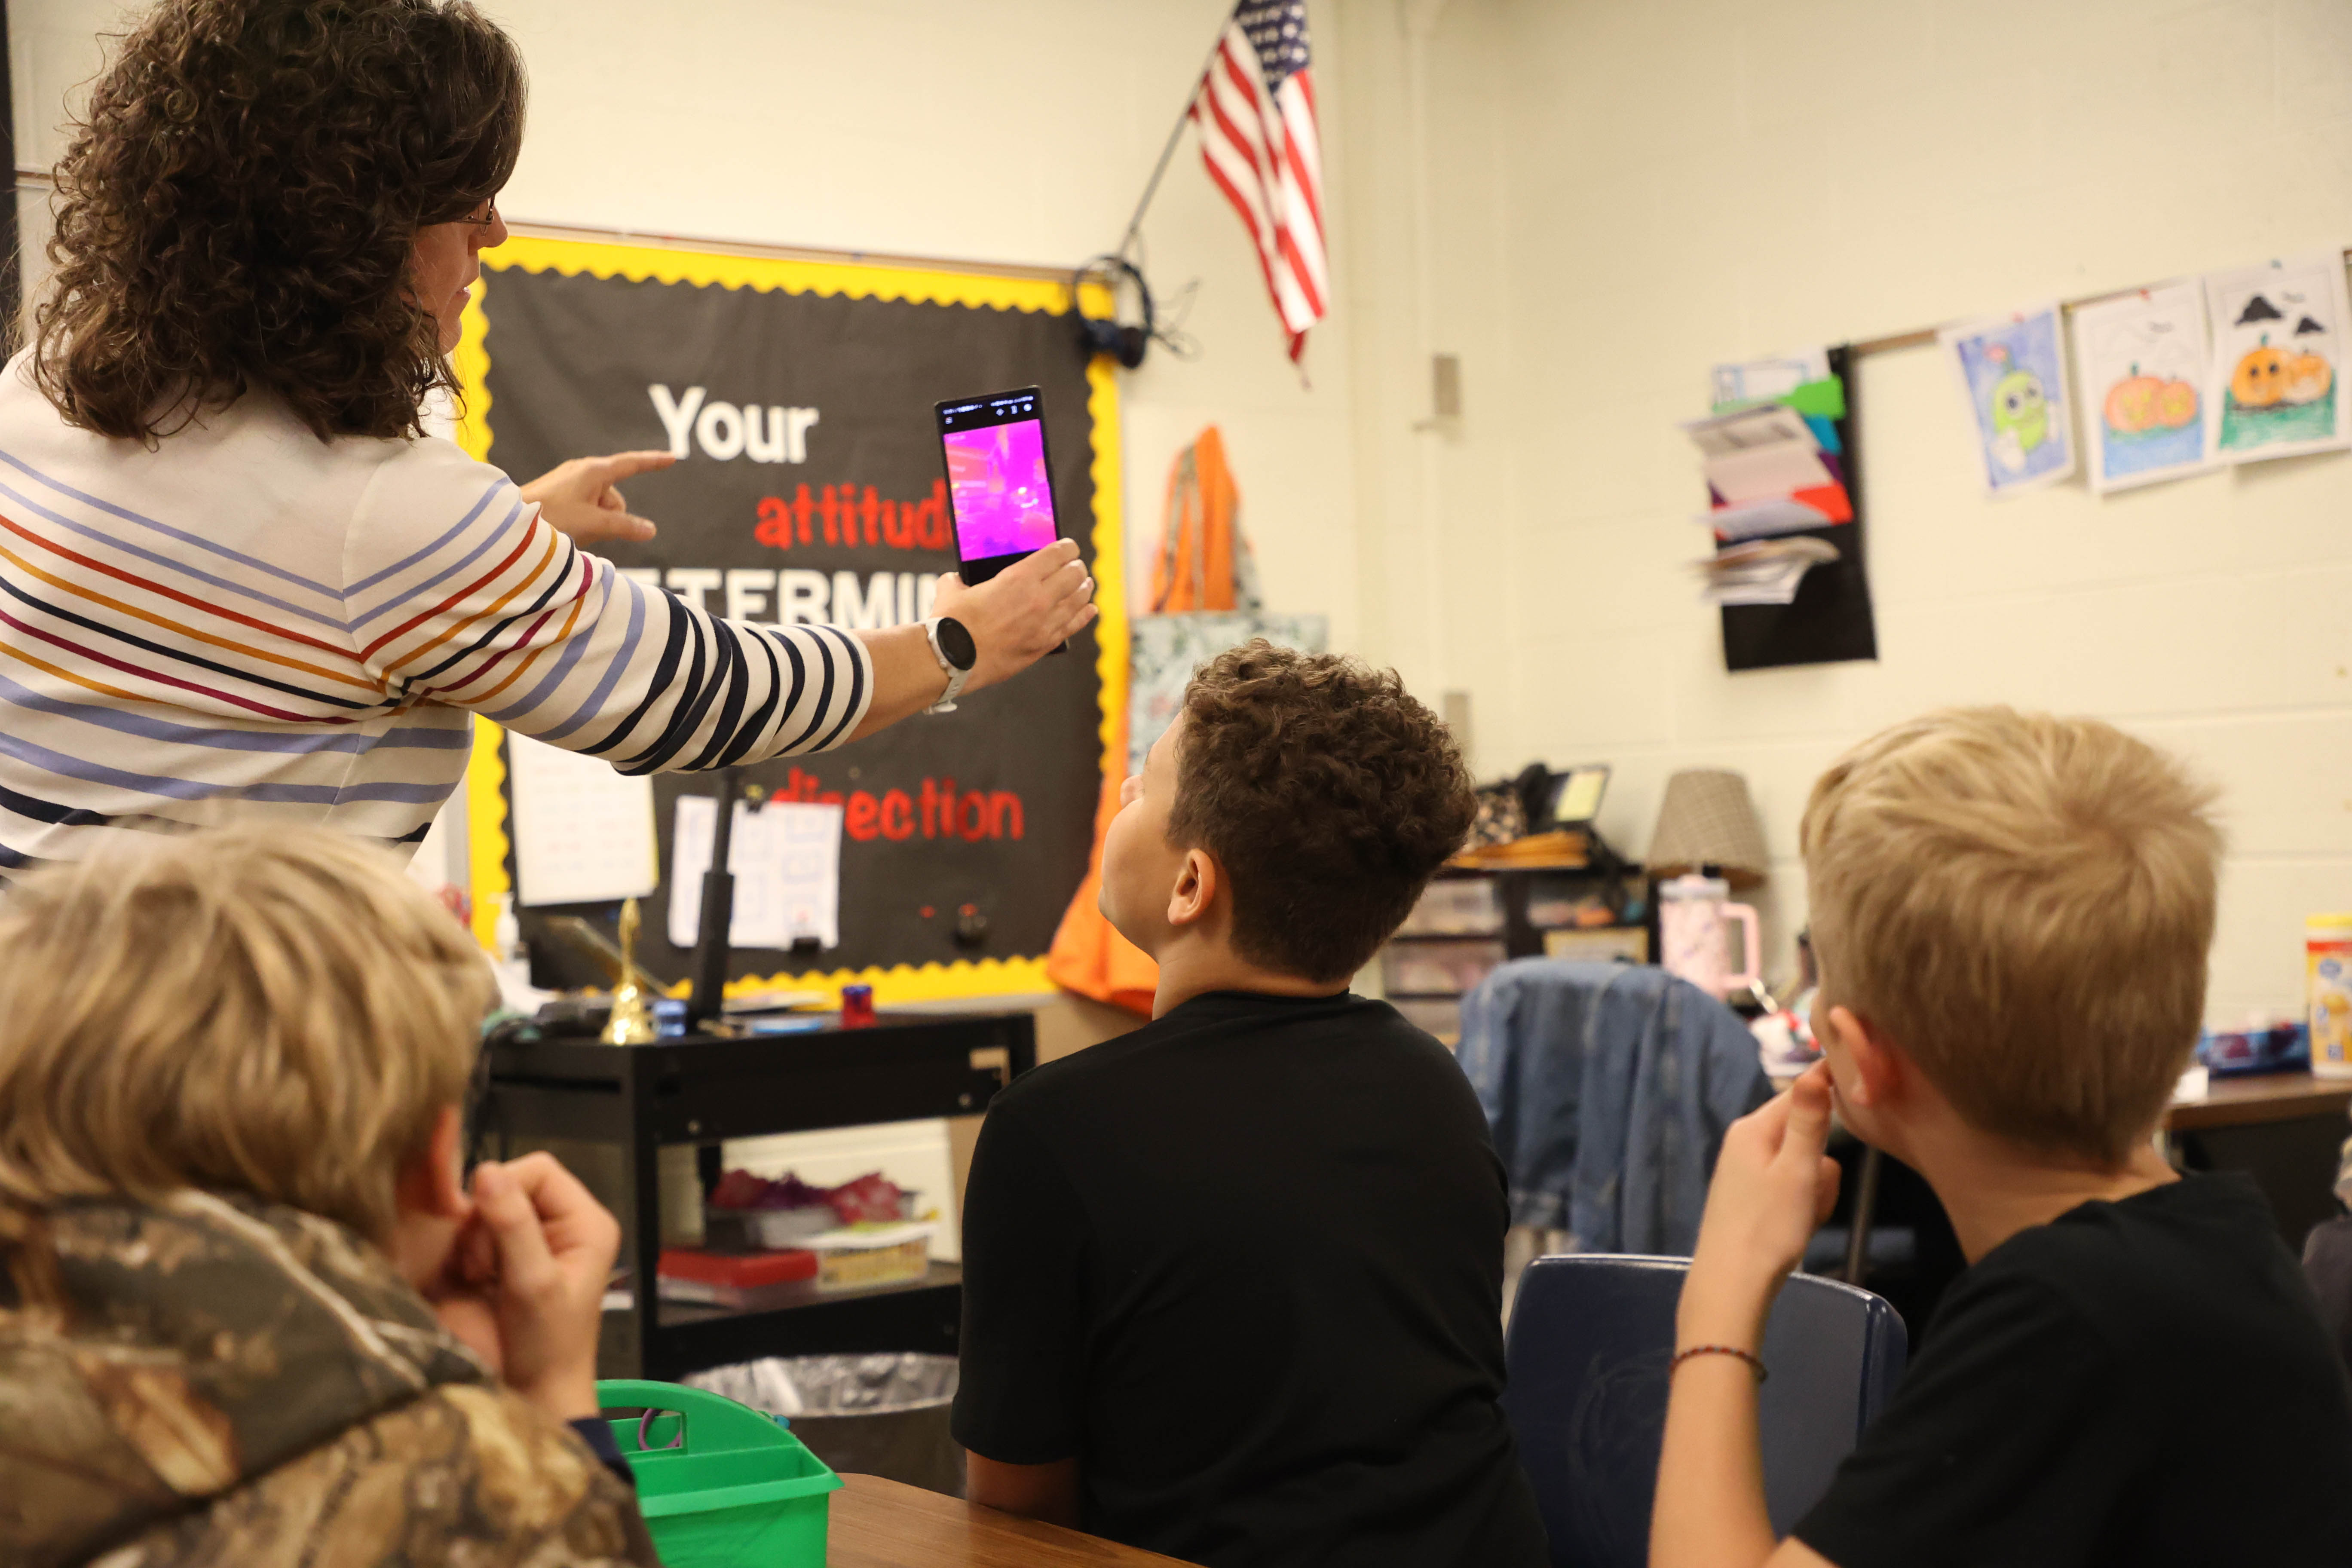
x=867 y=1415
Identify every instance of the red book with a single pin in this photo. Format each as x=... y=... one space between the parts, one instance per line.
x=737 y=1271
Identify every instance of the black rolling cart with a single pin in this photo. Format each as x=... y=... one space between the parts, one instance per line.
x=699 y=1089
x=712 y=1083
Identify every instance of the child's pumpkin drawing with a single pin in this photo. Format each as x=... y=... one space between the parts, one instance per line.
x=2282 y=332
x=2139 y=403
x=2131 y=403
x=2146 y=352
x=2306 y=378
x=2259 y=381
x=2176 y=404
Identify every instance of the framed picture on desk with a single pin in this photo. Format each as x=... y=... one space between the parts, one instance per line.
x=1576 y=796
x=1599 y=945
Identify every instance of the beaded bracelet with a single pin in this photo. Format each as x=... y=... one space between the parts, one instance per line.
x=1755 y=1363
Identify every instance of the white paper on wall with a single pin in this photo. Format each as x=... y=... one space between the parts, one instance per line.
x=1774 y=377
x=583 y=833
x=2276 y=386
x=2142 y=362
x=786 y=857
x=2012 y=371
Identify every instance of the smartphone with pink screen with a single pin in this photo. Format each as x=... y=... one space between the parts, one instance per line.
x=1000 y=480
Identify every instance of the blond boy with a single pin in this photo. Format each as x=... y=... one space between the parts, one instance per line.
x=2011 y=913
x=248 y=1313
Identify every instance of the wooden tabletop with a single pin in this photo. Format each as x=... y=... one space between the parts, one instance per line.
x=2266 y=1097
x=876 y=1523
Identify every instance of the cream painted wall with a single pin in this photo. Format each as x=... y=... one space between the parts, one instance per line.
x=1621 y=194
x=1427 y=272
x=1005 y=133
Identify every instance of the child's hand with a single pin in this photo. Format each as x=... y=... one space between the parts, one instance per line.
x=470 y=1315
x=528 y=1277
x=1773 y=1187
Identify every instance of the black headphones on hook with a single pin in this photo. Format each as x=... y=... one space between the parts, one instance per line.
x=1124 y=341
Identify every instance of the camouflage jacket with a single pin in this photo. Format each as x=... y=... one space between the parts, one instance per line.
x=215 y=1381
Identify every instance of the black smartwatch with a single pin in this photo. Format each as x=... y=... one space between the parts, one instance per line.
x=952 y=645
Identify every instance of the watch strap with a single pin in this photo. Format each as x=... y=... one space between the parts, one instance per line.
x=957 y=676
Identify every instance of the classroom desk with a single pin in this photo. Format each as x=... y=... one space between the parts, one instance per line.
x=2267 y=1097
x=2283 y=1130
x=876 y=1523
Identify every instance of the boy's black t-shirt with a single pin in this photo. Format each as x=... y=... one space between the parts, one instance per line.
x=2140 y=1383
x=1244 y=1264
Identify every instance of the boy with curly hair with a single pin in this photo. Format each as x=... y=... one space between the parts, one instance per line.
x=2011 y=913
x=249 y=1311
x=1232 y=1282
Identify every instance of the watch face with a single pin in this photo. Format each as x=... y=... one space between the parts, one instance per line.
x=957 y=644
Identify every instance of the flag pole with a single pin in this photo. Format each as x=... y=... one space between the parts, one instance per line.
x=1135 y=224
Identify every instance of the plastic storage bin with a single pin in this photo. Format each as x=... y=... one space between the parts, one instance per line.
x=720 y=1485
x=1571 y=901
x=1455 y=906
x=1446 y=968
x=857 y=1257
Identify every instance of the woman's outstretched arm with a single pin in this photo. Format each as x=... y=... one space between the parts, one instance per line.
x=458 y=591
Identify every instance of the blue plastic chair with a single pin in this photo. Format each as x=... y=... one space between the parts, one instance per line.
x=1589 y=1342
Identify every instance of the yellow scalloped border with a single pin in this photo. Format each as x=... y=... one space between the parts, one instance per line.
x=486 y=801
x=658 y=264
x=486 y=828
x=471 y=361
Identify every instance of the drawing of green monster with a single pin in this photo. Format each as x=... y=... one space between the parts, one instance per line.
x=2021 y=412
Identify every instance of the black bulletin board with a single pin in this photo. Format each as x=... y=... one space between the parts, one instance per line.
x=565 y=357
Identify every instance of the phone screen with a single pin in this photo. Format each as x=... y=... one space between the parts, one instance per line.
x=1000 y=483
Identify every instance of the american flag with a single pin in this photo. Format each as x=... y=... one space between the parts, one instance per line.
x=1255 y=109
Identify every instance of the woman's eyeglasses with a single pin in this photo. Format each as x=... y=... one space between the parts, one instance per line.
x=488 y=217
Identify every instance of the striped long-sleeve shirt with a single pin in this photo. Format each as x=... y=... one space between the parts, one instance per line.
x=248 y=620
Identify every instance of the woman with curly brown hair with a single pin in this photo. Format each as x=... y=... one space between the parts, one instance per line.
x=234 y=567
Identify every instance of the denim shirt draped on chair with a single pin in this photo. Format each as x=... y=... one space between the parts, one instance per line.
x=1608 y=1088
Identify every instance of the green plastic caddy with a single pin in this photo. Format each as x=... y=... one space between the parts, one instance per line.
x=720 y=1484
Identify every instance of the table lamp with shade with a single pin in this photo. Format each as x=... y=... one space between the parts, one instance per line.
x=1708 y=842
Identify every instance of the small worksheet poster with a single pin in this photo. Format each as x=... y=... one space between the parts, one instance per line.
x=786 y=857
x=581 y=832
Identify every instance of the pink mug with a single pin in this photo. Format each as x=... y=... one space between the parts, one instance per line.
x=1692 y=914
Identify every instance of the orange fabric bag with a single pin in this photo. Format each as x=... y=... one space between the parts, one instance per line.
x=1088 y=955
x=1194 y=570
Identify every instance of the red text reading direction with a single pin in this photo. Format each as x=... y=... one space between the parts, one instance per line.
x=845 y=515
x=936 y=811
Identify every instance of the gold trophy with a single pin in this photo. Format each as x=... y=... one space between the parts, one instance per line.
x=633 y=1021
